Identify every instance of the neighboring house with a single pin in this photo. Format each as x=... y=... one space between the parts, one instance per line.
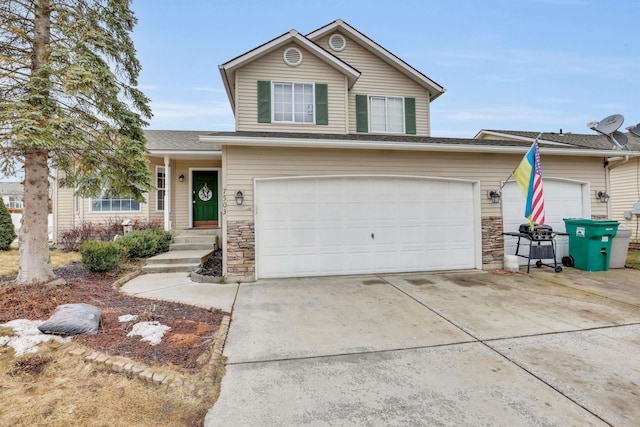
x=332 y=170
x=621 y=170
x=11 y=193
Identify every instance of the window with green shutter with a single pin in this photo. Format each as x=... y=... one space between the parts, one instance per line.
x=264 y=101
x=410 y=116
x=322 y=104
x=362 y=119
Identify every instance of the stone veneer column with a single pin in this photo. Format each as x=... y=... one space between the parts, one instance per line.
x=492 y=242
x=241 y=252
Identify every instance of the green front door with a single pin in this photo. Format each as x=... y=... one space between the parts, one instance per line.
x=205 y=199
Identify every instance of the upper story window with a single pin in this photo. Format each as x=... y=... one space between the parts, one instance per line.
x=15 y=202
x=103 y=204
x=161 y=186
x=385 y=114
x=292 y=102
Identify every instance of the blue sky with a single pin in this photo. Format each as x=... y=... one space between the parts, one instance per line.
x=538 y=65
x=506 y=64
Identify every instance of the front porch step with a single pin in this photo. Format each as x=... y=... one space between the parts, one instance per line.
x=186 y=240
x=192 y=246
x=170 y=268
x=181 y=257
x=197 y=232
x=177 y=261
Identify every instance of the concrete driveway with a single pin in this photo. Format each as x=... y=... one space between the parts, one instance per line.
x=465 y=348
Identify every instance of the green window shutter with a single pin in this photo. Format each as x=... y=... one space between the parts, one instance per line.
x=264 y=101
x=322 y=104
x=362 y=119
x=410 y=116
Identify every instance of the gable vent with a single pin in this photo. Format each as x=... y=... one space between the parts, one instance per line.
x=337 y=42
x=292 y=56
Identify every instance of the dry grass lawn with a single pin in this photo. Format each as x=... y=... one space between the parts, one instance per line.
x=9 y=260
x=53 y=388
x=633 y=259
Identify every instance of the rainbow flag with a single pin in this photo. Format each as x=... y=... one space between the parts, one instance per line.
x=529 y=177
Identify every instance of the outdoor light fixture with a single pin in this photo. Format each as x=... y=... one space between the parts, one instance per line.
x=603 y=196
x=495 y=195
x=239 y=198
x=181 y=178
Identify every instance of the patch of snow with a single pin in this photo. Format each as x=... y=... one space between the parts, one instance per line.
x=127 y=318
x=28 y=336
x=149 y=331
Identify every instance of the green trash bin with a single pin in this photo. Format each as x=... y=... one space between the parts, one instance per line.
x=590 y=243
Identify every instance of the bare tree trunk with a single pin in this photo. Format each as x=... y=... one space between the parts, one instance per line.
x=33 y=238
x=35 y=261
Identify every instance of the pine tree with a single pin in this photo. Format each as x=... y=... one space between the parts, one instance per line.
x=69 y=100
x=7 y=230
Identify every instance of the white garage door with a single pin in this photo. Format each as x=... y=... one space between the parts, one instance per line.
x=363 y=224
x=562 y=199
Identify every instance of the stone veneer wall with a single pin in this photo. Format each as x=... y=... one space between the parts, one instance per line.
x=241 y=248
x=492 y=241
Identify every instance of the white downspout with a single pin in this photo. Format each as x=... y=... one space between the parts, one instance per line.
x=608 y=167
x=167 y=193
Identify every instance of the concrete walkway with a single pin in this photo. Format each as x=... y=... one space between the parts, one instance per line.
x=465 y=348
x=178 y=287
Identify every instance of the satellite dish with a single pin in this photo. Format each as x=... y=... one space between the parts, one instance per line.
x=635 y=129
x=609 y=124
x=619 y=139
x=609 y=127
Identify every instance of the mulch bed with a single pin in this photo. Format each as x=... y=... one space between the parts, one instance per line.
x=192 y=328
x=213 y=265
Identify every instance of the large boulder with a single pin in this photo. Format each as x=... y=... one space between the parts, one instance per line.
x=72 y=319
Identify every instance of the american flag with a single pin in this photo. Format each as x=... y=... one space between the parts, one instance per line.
x=529 y=177
x=537 y=203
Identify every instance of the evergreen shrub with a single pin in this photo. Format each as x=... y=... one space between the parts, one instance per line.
x=7 y=230
x=100 y=256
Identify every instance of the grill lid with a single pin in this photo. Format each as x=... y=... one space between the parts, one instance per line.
x=540 y=232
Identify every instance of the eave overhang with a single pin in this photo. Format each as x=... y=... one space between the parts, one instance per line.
x=276 y=142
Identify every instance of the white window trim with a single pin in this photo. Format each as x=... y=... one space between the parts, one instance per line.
x=13 y=201
x=293 y=122
x=119 y=198
x=158 y=189
x=386 y=124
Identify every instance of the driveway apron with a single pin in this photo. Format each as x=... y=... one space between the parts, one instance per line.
x=464 y=348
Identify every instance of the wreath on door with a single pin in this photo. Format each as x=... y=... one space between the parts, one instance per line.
x=205 y=193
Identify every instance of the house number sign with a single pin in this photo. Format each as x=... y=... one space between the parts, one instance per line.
x=205 y=193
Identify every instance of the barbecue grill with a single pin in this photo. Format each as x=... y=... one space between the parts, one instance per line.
x=542 y=244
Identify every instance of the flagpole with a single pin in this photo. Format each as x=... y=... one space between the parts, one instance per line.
x=505 y=181
x=511 y=174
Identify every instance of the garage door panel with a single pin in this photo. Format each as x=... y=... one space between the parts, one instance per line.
x=416 y=225
x=562 y=199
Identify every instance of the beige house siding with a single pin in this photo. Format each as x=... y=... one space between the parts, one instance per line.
x=64 y=214
x=625 y=191
x=379 y=78
x=272 y=67
x=67 y=215
x=243 y=164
